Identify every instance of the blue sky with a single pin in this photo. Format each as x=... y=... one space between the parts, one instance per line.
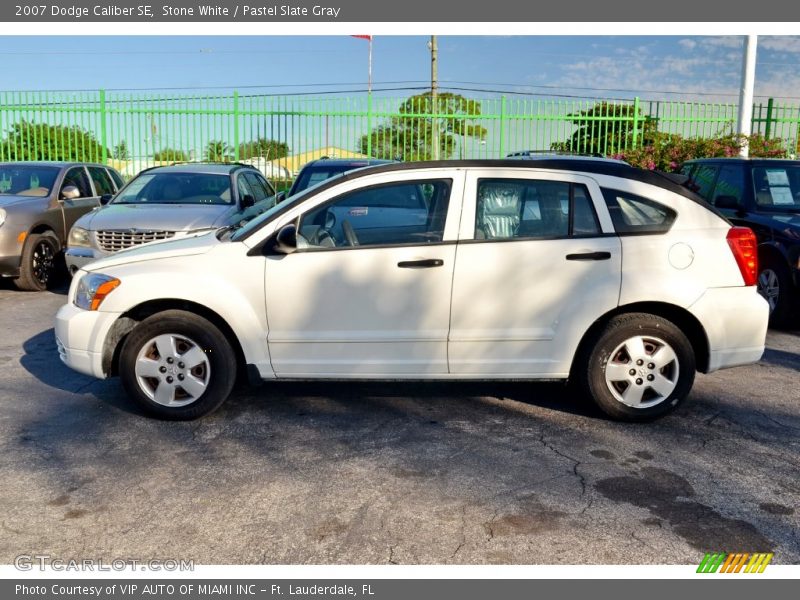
x=615 y=66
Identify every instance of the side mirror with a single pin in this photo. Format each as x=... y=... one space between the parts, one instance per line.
x=70 y=192
x=286 y=239
x=247 y=201
x=729 y=202
x=280 y=197
x=106 y=198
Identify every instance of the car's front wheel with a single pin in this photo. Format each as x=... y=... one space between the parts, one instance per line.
x=637 y=367
x=177 y=365
x=38 y=263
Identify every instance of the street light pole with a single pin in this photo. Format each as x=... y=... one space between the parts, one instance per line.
x=435 y=141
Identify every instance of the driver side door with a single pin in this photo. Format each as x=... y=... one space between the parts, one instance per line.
x=74 y=208
x=367 y=292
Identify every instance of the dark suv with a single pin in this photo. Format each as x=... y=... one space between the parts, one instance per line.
x=324 y=168
x=764 y=195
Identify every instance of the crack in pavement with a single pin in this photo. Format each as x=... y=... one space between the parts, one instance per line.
x=575 y=463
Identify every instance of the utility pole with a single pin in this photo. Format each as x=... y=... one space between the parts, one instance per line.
x=744 y=125
x=434 y=98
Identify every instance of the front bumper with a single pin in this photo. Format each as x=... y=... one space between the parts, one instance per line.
x=735 y=321
x=9 y=266
x=80 y=338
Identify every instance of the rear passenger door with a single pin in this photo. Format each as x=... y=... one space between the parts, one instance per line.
x=537 y=263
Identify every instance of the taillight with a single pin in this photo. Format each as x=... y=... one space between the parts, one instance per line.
x=743 y=244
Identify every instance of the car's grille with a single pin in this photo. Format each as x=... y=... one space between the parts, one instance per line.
x=111 y=241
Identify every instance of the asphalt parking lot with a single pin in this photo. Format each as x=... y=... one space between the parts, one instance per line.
x=399 y=473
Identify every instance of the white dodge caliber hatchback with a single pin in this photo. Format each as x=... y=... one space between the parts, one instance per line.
x=616 y=279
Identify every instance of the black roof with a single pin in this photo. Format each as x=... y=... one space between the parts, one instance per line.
x=739 y=159
x=594 y=166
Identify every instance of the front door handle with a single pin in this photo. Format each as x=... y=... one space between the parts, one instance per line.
x=589 y=256
x=425 y=263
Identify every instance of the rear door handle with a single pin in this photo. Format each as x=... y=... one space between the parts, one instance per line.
x=589 y=256
x=425 y=263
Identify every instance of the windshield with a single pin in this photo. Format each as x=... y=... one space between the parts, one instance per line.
x=777 y=188
x=177 y=188
x=23 y=180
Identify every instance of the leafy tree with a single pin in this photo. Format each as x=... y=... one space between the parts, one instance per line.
x=170 y=155
x=218 y=151
x=27 y=140
x=606 y=128
x=121 y=152
x=263 y=147
x=413 y=136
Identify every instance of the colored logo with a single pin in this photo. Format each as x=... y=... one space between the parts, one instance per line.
x=738 y=562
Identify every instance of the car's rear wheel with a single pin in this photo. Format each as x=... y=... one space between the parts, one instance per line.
x=637 y=367
x=774 y=284
x=38 y=263
x=177 y=365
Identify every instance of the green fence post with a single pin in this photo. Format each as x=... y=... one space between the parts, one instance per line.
x=768 y=128
x=369 y=123
x=236 y=125
x=502 y=126
x=636 y=106
x=103 y=125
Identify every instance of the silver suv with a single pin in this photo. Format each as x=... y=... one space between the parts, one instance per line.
x=39 y=202
x=166 y=202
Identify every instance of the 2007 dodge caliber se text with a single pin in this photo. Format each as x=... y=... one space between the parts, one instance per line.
x=615 y=278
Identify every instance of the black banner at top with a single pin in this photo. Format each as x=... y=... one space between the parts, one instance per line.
x=406 y=11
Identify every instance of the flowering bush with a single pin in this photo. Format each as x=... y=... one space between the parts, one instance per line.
x=667 y=151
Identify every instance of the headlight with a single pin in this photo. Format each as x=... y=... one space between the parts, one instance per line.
x=78 y=236
x=2 y=217
x=92 y=290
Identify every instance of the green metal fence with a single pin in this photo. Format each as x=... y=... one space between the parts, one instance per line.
x=137 y=129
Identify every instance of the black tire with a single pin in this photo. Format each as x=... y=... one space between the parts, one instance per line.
x=218 y=371
x=39 y=262
x=655 y=332
x=781 y=305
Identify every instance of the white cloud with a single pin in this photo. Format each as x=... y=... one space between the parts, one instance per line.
x=787 y=44
x=687 y=44
x=723 y=41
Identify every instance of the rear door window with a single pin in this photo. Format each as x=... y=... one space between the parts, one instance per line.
x=530 y=208
x=118 y=181
x=102 y=182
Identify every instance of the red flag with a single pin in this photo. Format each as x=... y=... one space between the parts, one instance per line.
x=363 y=37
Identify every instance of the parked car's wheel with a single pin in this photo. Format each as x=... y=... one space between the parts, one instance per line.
x=38 y=263
x=177 y=365
x=775 y=284
x=637 y=367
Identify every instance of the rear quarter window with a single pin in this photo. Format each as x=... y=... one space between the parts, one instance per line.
x=632 y=214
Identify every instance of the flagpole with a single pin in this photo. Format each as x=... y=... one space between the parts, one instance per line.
x=369 y=80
